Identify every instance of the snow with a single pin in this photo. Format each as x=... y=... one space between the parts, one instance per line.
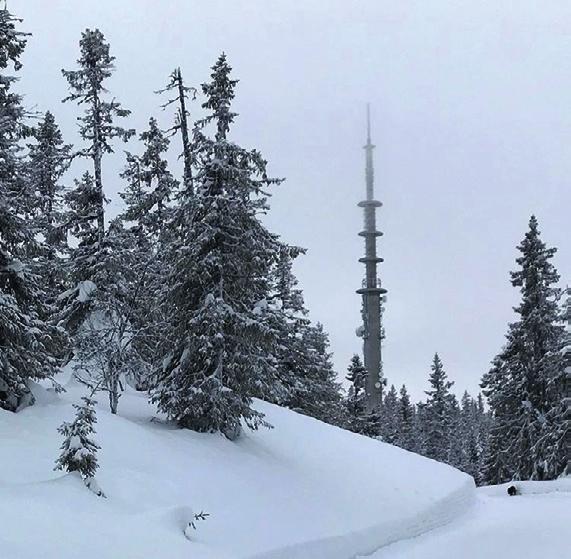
x=303 y=490
x=84 y=290
x=534 y=524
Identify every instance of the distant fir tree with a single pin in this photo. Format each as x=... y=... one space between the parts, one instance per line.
x=79 y=450
x=306 y=380
x=320 y=395
x=220 y=348
x=467 y=434
x=524 y=386
x=406 y=420
x=436 y=414
x=290 y=322
x=456 y=444
x=356 y=396
x=472 y=433
x=484 y=425
x=182 y=96
x=389 y=417
x=48 y=160
x=28 y=341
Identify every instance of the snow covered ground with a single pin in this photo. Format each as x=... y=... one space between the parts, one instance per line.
x=303 y=490
x=533 y=525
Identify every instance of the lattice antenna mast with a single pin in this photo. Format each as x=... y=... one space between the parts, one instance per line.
x=371 y=291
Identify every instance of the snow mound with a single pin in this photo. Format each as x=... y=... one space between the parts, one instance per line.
x=303 y=490
x=533 y=525
x=562 y=485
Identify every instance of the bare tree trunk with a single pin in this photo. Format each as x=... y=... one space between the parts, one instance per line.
x=184 y=133
x=97 y=155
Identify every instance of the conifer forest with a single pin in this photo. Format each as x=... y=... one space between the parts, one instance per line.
x=167 y=391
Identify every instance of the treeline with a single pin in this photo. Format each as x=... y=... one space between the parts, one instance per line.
x=440 y=427
x=521 y=434
x=186 y=294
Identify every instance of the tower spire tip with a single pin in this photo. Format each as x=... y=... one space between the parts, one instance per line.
x=368 y=123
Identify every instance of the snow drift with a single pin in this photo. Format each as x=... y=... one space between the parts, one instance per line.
x=303 y=490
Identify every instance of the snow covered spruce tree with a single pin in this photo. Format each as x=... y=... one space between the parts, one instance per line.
x=97 y=124
x=93 y=308
x=97 y=129
x=524 y=385
x=27 y=339
x=220 y=345
x=182 y=97
x=148 y=213
x=306 y=381
x=150 y=184
x=471 y=435
x=320 y=391
x=48 y=159
x=436 y=414
x=355 y=402
x=389 y=426
x=79 y=450
x=407 y=420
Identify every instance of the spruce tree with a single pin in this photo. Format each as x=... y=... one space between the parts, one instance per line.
x=148 y=213
x=221 y=344
x=306 y=382
x=455 y=443
x=97 y=124
x=468 y=436
x=320 y=392
x=389 y=417
x=406 y=418
x=150 y=184
x=356 y=404
x=437 y=414
x=27 y=339
x=524 y=386
x=97 y=305
x=48 y=160
x=290 y=316
x=98 y=129
x=79 y=450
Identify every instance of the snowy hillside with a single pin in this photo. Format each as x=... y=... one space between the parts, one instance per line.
x=301 y=490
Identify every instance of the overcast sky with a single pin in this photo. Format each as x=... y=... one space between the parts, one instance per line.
x=471 y=116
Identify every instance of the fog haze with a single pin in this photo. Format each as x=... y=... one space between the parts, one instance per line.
x=471 y=117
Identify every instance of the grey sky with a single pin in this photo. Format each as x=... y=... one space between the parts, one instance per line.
x=471 y=118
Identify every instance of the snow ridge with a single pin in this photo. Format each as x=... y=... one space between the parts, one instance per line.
x=363 y=543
